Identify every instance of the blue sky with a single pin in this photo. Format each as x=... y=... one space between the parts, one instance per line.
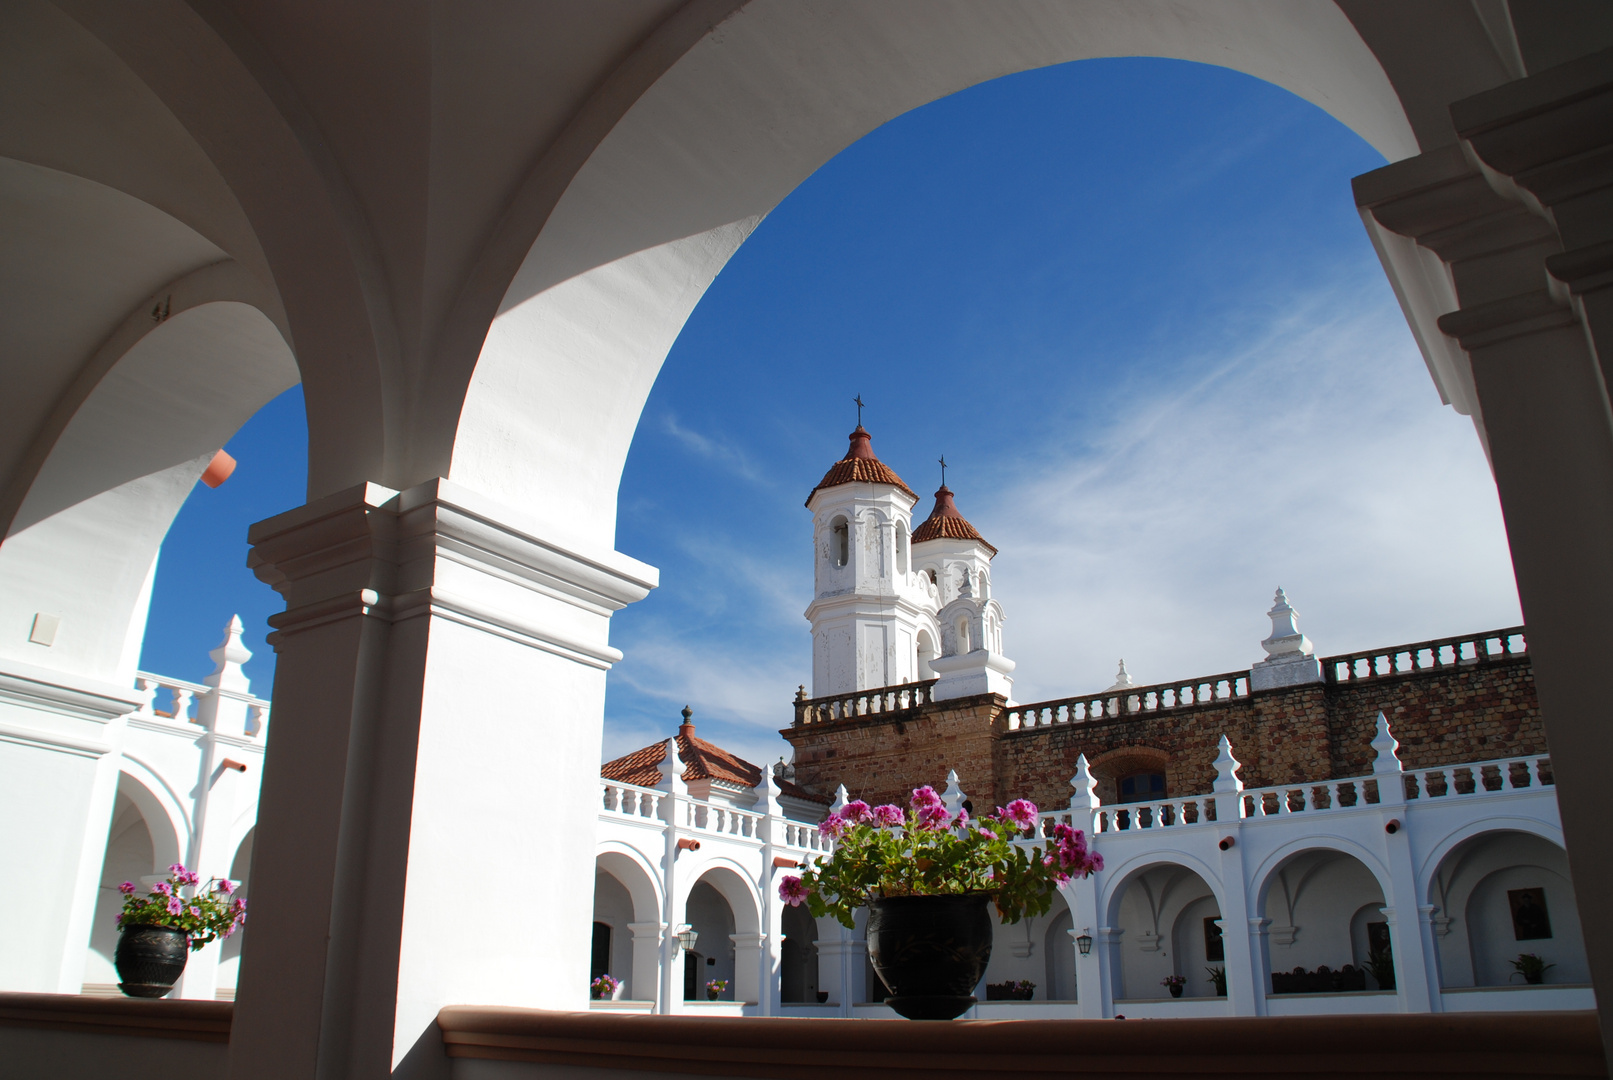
x=1131 y=302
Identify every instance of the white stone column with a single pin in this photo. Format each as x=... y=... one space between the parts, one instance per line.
x=1082 y=896
x=61 y=741
x=673 y=807
x=1415 y=957
x=647 y=942
x=438 y=710
x=222 y=789
x=1498 y=251
x=1106 y=947
x=750 y=962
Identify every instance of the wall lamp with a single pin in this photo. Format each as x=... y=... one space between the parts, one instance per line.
x=686 y=939
x=1084 y=942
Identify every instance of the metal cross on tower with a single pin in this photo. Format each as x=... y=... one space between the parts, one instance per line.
x=859 y=400
x=943 y=470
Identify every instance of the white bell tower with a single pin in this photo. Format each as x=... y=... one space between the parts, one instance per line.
x=951 y=554
x=872 y=617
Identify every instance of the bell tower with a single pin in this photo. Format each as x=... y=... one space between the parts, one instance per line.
x=871 y=615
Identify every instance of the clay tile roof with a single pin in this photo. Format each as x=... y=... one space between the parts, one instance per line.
x=945 y=522
x=860 y=466
x=702 y=761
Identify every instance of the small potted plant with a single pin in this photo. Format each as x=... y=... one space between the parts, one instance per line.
x=926 y=877
x=1533 y=968
x=604 y=987
x=158 y=931
x=715 y=988
x=1218 y=976
x=1174 y=984
x=1381 y=963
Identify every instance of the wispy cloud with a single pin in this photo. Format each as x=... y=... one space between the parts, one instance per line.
x=1315 y=456
x=715 y=450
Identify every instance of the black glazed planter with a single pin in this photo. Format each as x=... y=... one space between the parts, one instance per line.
x=1175 y=989
x=931 y=951
x=150 y=959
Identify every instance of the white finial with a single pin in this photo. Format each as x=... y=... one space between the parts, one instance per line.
x=672 y=770
x=1286 y=641
x=770 y=804
x=1226 y=768
x=1386 y=746
x=1086 y=788
x=228 y=658
x=1122 y=679
x=842 y=797
x=953 y=796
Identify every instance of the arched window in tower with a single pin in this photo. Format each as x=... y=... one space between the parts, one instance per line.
x=931 y=572
x=963 y=636
x=985 y=586
x=926 y=653
x=840 y=542
x=901 y=548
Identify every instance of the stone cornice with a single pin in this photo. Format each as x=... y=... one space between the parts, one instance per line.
x=370 y=551
x=61 y=692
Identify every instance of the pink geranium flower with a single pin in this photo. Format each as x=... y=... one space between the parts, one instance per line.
x=889 y=816
x=856 y=811
x=1022 y=813
x=127 y=888
x=832 y=826
x=925 y=796
x=792 y=890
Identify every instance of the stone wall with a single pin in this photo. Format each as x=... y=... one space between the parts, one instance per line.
x=1287 y=736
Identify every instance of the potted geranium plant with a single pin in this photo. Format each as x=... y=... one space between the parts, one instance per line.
x=1174 y=984
x=159 y=930
x=1533 y=968
x=714 y=988
x=604 y=987
x=927 y=877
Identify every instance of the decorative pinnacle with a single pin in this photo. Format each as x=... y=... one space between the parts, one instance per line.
x=1122 y=678
x=1386 y=747
x=1285 y=642
x=1086 y=788
x=1226 y=768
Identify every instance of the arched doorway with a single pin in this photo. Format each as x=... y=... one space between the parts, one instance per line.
x=1058 y=947
x=1500 y=895
x=723 y=908
x=1324 y=910
x=627 y=925
x=798 y=964
x=1162 y=912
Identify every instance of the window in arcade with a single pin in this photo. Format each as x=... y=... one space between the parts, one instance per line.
x=1141 y=787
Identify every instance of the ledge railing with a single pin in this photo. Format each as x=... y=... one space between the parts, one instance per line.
x=648 y=806
x=1473 y=780
x=1132 y=701
x=888 y=699
x=1469 y=650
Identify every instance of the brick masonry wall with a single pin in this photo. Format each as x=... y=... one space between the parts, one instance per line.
x=1291 y=736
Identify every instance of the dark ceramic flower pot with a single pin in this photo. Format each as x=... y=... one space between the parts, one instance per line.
x=150 y=959
x=1176 y=990
x=931 y=951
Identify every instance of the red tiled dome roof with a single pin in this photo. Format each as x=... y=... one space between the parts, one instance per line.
x=945 y=522
x=861 y=466
x=701 y=760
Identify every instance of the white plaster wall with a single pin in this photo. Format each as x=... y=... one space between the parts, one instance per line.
x=1058 y=955
x=229 y=964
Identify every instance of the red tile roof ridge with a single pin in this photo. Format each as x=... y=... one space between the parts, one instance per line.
x=702 y=760
x=861 y=466
x=945 y=522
